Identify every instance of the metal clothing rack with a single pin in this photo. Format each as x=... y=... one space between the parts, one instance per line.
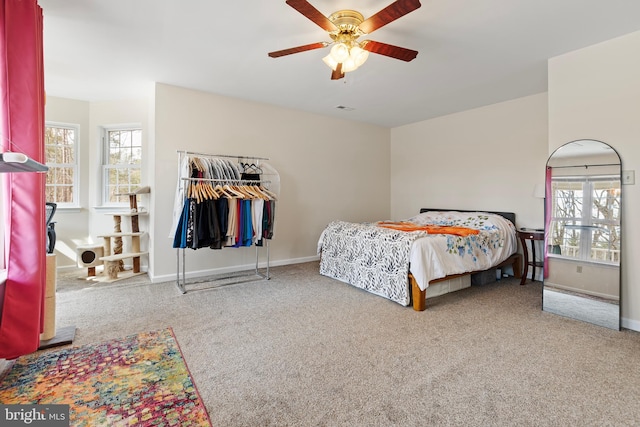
x=227 y=156
x=181 y=282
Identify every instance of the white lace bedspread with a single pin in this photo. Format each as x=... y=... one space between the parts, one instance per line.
x=372 y=258
x=379 y=260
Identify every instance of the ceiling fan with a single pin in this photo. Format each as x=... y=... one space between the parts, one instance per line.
x=344 y=28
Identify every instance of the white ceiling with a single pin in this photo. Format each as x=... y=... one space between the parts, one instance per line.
x=472 y=52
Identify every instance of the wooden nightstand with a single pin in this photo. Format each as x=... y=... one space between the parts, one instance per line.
x=525 y=234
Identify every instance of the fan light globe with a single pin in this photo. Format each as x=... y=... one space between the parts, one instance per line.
x=331 y=63
x=349 y=65
x=359 y=55
x=340 y=52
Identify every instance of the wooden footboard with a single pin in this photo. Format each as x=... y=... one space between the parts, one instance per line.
x=419 y=297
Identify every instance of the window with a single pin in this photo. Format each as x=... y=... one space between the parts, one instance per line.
x=121 y=163
x=61 y=155
x=585 y=218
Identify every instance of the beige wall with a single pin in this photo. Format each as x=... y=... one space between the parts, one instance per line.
x=329 y=169
x=592 y=279
x=594 y=93
x=488 y=158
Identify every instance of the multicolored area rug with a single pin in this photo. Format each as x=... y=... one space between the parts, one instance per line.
x=141 y=380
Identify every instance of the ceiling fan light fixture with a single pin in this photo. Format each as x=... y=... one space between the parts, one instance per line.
x=356 y=56
x=344 y=27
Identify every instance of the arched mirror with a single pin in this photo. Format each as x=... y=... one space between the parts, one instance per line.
x=583 y=233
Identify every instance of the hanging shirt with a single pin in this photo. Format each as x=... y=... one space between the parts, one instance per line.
x=180 y=196
x=257 y=208
x=232 y=225
x=247 y=236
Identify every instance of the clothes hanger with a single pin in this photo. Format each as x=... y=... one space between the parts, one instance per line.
x=243 y=190
x=233 y=191
x=206 y=185
x=258 y=192
x=271 y=195
x=222 y=192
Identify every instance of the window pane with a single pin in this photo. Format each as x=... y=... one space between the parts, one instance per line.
x=123 y=175
x=135 y=178
x=60 y=195
x=605 y=218
x=606 y=200
x=565 y=238
x=114 y=156
x=136 y=155
x=50 y=153
x=67 y=155
x=112 y=177
x=60 y=156
x=64 y=194
x=111 y=189
x=65 y=176
x=50 y=194
x=136 y=137
x=51 y=175
x=602 y=245
x=114 y=139
x=124 y=155
x=125 y=139
x=69 y=137
x=568 y=199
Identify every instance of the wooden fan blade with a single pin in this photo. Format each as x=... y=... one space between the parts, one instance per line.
x=389 y=14
x=298 y=49
x=389 y=50
x=305 y=8
x=337 y=73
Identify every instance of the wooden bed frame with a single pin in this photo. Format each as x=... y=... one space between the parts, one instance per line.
x=419 y=297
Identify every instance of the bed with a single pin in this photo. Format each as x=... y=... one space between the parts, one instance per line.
x=402 y=260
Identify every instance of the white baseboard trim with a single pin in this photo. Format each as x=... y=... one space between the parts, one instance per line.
x=232 y=269
x=634 y=325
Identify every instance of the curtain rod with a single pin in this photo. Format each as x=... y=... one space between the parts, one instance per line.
x=583 y=166
x=222 y=155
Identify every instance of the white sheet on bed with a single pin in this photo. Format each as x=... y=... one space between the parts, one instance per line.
x=437 y=255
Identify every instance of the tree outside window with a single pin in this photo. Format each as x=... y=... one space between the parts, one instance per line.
x=61 y=156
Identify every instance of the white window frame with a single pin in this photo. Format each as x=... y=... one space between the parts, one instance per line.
x=75 y=165
x=105 y=167
x=586 y=221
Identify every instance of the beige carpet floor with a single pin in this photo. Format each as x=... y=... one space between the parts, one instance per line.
x=305 y=350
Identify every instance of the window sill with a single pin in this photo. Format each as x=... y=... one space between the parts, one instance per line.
x=116 y=208
x=69 y=209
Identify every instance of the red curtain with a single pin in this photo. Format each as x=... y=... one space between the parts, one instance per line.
x=22 y=120
x=548 y=203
